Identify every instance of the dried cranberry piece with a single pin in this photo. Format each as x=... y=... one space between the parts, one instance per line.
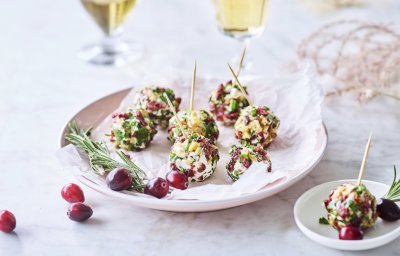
x=154 y=105
x=140 y=117
x=351 y=233
x=246 y=162
x=178 y=101
x=201 y=168
x=220 y=112
x=232 y=115
x=119 y=179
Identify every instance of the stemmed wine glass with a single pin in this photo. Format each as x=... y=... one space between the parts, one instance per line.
x=241 y=20
x=110 y=15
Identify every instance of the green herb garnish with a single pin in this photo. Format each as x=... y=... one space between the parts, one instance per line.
x=100 y=158
x=394 y=190
x=323 y=221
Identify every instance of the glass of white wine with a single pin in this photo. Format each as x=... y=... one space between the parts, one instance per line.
x=242 y=20
x=110 y=15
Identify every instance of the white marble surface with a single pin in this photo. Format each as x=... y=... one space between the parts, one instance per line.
x=42 y=84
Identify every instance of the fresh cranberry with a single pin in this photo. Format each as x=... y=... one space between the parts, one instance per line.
x=220 y=112
x=177 y=180
x=120 y=115
x=119 y=179
x=7 y=221
x=79 y=212
x=388 y=210
x=351 y=233
x=72 y=193
x=157 y=187
x=233 y=115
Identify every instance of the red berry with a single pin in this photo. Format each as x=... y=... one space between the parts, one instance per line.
x=157 y=187
x=388 y=210
x=72 y=193
x=7 y=221
x=351 y=233
x=79 y=212
x=119 y=179
x=177 y=179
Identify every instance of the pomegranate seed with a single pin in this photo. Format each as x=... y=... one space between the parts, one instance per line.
x=79 y=212
x=157 y=187
x=7 y=221
x=351 y=233
x=119 y=179
x=177 y=180
x=72 y=193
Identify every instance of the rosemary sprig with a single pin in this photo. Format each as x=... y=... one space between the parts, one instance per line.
x=394 y=190
x=100 y=158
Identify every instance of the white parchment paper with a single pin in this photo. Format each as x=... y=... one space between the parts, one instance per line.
x=294 y=98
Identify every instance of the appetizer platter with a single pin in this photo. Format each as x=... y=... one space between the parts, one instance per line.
x=351 y=214
x=149 y=147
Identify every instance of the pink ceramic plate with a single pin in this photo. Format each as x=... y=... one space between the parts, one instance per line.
x=94 y=113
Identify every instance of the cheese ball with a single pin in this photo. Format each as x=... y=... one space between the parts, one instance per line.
x=351 y=205
x=243 y=157
x=226 y=102
x=152 y=99
x=196 y=121
x=132 y=130
x=195 y=156
x=256 y=126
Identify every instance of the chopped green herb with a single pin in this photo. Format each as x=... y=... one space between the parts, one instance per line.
x=254 y=112
x=323 y=221
x=233 y=105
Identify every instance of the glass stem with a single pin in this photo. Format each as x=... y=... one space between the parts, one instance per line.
x=244 y=43
x=113 y=44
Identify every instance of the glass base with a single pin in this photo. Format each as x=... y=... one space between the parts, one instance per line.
x=246 y=65
x=111 y=54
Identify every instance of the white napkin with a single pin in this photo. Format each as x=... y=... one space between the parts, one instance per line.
x=294 y=98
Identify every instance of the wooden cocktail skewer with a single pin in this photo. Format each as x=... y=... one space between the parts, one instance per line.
x=240 y=85
x=176 y=115
x=193 y=85
x=364 y=159
x=241 y=62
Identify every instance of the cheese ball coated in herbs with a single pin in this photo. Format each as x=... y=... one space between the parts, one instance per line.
x=152 y=99
x=243 y=157
x=226 y=102
x=256 y=125
x=195 y=121
x=195 y=156
x=132 y=130
x=351 y=205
